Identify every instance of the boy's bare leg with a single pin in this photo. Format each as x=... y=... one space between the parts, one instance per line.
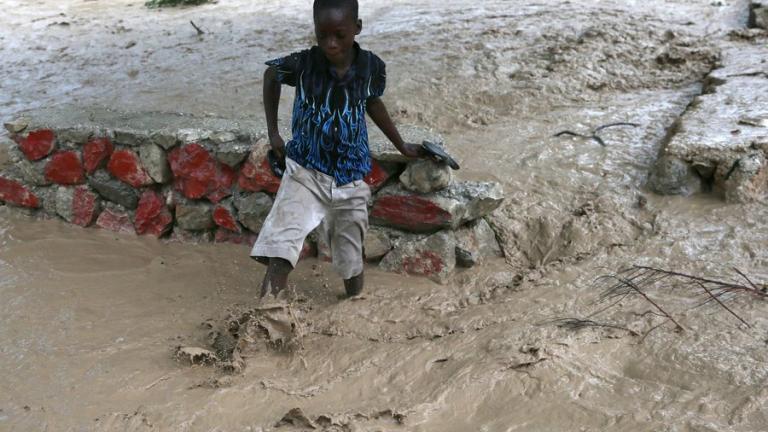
x=354 y=285
x=276 y=278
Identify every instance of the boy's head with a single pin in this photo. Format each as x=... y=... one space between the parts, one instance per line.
x=336 y=25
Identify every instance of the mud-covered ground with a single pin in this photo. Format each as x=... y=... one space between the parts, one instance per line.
x=89 y=320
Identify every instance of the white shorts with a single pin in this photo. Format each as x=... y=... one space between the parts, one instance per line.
x=305 y=199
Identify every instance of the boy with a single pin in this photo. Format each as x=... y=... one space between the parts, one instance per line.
x=336 y=83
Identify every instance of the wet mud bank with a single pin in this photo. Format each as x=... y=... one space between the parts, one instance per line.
x=509 y=345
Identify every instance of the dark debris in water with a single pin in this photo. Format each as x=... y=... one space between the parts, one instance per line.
x=171 y=3
x=594 y=135
x=296 y=419
x=279 y=326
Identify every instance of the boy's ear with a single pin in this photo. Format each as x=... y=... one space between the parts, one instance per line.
x=359 y=24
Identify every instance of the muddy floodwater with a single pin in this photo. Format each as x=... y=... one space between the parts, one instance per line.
x=90 y=320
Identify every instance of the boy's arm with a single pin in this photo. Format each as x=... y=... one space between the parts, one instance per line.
x=271 y=103
x=380 y=116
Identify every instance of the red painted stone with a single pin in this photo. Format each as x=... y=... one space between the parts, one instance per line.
x=38 y=144
x=323 y=249
x=12 y=192
x=223 y=217
x=410 y=212
x=221 y=186
x=378 y=175
x=194 y=170
x=126 y=166
x=65 y=168
x=308 y=250
x=258 y=178
x=95 y=152
x=226 y=236
x=85 y=206
x=197 y=174
x=152 y=215
x=116 y=221
x=426 y=264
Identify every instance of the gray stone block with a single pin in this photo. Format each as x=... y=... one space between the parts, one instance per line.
x=222 y=137
x=130 y=138
x=155 y=162
x=76 y=136
x=748 y=179
x=758 y=16
x=164 y=138
x=232 y=153
x=194 y=215
x=377 y=244
x=433 y=257
x=17 y=125
x=47 y=196
x=673 y=176
x=113 y=190
x=475 y=242
x=31 y=172
x=252 y=209
x=426 y=176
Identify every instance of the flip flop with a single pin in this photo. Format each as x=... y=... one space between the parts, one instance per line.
x=276 y=163
x=440 y=154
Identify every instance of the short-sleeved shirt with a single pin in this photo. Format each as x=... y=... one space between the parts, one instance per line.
x=328 y=125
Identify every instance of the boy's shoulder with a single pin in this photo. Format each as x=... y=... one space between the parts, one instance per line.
x=314 y=56
x=368 y=63
x=371 y=56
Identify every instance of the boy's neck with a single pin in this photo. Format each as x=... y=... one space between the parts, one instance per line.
x=342 y=68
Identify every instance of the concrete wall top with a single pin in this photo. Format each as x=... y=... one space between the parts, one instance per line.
x=77 y=123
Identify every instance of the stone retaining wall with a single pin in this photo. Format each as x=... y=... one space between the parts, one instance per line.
x=203 y=178
x=758 y=14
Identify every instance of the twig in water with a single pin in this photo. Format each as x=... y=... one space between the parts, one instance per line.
x=721 y=286
x=732 y=169
x=752 y=284
x=594 y=135
x=638 y=280
x=605 y=126
x=645 y=335
x=199 y=32
x=578 y=324
x=165 y=377
x=649 y=300
x=748 y=74
x=714 y=297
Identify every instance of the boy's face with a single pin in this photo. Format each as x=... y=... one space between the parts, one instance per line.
x=335 y=29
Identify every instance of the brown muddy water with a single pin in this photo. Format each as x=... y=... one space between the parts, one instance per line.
x=89 y=320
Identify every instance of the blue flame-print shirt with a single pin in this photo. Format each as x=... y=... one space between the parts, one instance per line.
x=328 y=125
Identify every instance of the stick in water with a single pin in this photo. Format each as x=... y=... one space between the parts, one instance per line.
x=199 y=32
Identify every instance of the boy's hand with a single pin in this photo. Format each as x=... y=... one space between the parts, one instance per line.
x=413 y=150
x=278 y=145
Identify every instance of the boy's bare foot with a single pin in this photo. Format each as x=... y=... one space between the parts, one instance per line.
x=276 y=278
x=354 y=286
x=274 y=301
